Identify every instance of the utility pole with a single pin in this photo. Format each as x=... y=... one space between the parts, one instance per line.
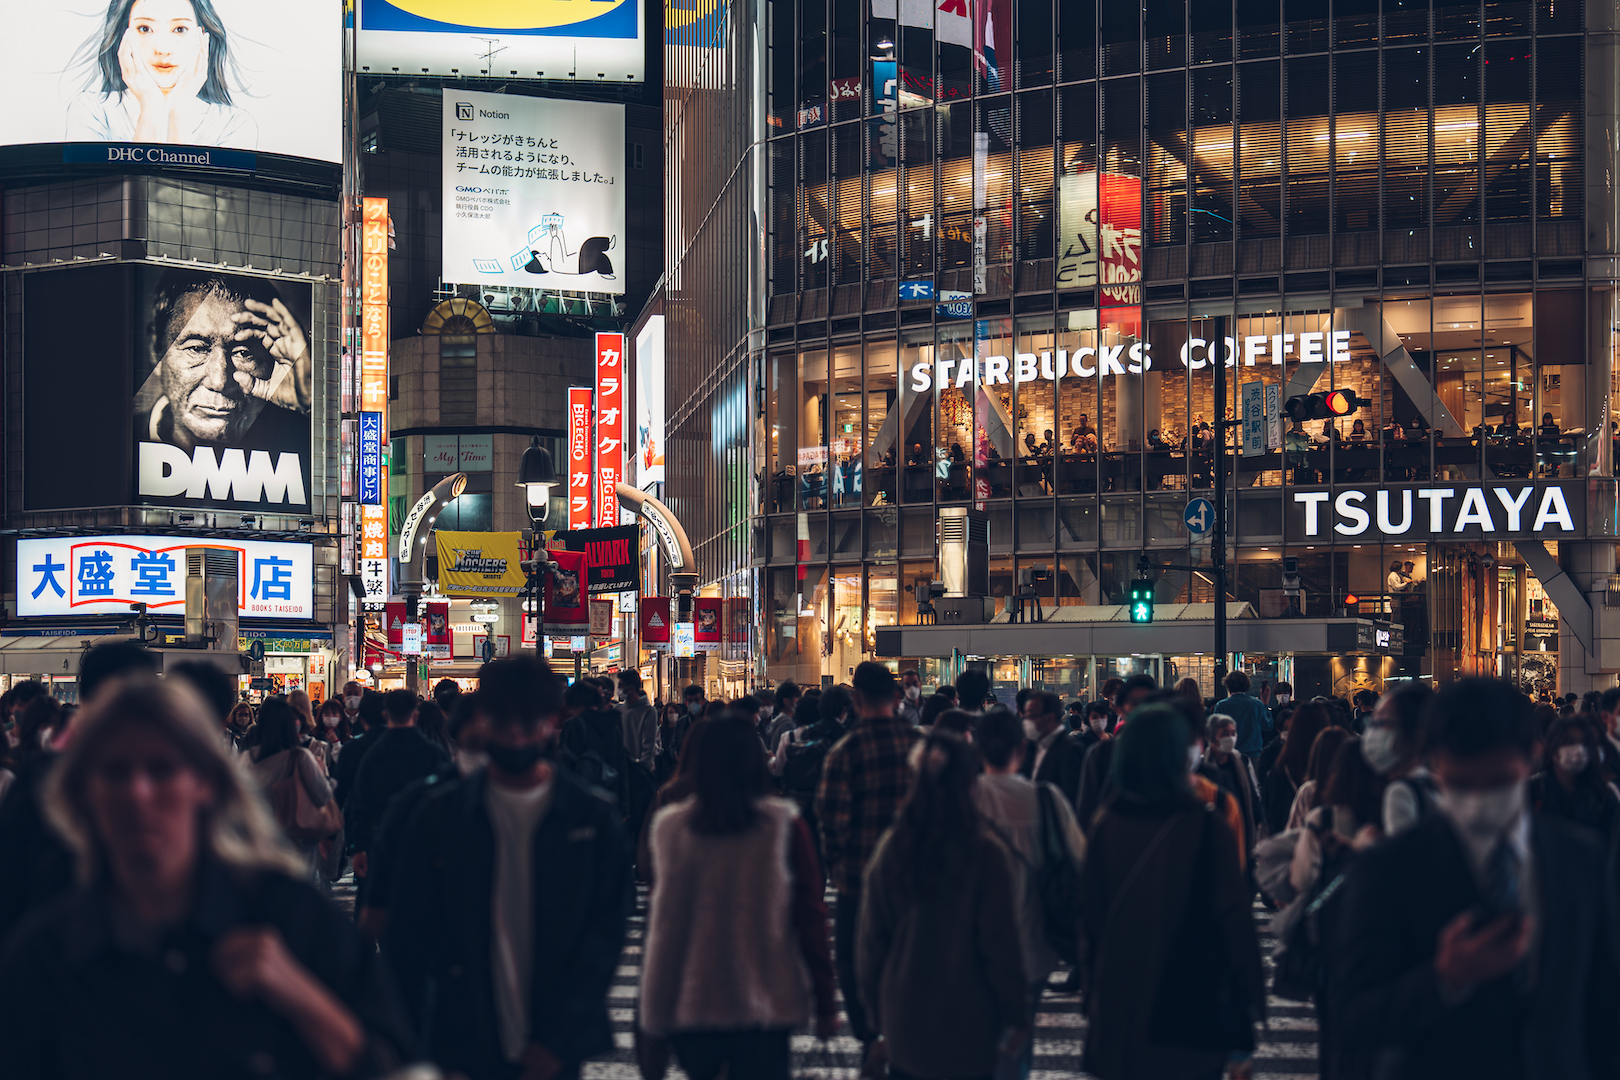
x=1217 y=549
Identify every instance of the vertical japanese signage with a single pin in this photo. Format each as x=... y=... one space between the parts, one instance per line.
x=371 y=463
x=579 y=457
x=1254 y=419
x=609 y=426
x=374 y=398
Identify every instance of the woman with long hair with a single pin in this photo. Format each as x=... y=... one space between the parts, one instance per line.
x=938 y=955
x=1308 y=797
x=1571 y=783
x=333 y=726
x=160 y=71
x=1188 y=688
x=431 y=722
x=310 y=735
x=238 y=726
x=279 y=752
x=1292 y=768
x=736 y=949
x=1171 y=956
x=190 y=938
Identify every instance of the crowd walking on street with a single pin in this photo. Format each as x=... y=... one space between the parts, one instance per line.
x=538 y=879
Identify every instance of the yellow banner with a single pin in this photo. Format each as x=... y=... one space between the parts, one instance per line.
x=480 y=564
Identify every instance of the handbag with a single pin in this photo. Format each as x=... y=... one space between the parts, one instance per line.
x=296 y=812
x=1058 y=882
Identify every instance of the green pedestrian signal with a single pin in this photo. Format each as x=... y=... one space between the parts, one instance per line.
x=1141 y=601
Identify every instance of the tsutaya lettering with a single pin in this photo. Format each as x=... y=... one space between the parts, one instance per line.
x=1308 y=347
x=1510 y=508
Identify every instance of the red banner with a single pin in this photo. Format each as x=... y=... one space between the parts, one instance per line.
x=393 y=620
x=566 y=599
x=654 y=620
x=579 y=457
x=708 y=622
x=437 y=631
x=1119 y=240
x=609 y=427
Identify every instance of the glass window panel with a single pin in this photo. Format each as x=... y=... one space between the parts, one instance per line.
x=1308 y=145
x=1167 y=159
x=1355 y=23
x=1456 y=134
x=1036 y=215
x=846 y=252
x=1307 y=24
x=956 y=185
x=1259 y=150
x=917 y=421
x=1259 y=28
x=994 y=120
x=815 y=237
x=1121 y=39
x=1165 y=24
x=1507 y=138
x=1457 y=21
x=1034 y=438
x=1406 y=21
x=812 y=421
x=1507 y=18
x=845 y=434
x=813 y=52
x=784 y=203
x=1406 y=139
x=782 y=430
x=883 y=435
x=848 y=56
x=917 y=225
x=1078 y=402
x=1558 y=130
x=1355 y=141
x=1077 y=39
x=1211 y=26
x=1558 y=16
x=1035 y=67
x=953 y=443
x=1212 y=210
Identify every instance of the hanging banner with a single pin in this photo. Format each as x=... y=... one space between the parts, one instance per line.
x=1254 y=419
x=654 y=620
x=685 y=647
x=579 y=457
x=602 y=613
x=481 y=564
x=706 y=622
x=437 y=641
x=609 y=426
x=566 y=614
x=612 y=557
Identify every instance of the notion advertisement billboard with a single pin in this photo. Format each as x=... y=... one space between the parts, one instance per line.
x=649 y=447
x=79 y=575
x=526 y=39
x=224 y=381
x=160 y=75
x=533 y=192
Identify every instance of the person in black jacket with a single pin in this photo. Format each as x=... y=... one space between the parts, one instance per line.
x=1053 y=755
x=401 y=754
x=1481 y=942
x=190 y=947
x=522 y=861
x=592 y=743
x=369 y=717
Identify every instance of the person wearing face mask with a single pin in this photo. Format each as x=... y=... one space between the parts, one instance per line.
x=1481 y=942
x=351 y=704
x=1093 y=726
x=1253 y=721
x=787 y=705
x=1571 y=784
x=1392 y=745
x=369 y=725
x=1053 y=756
x=508 y=904
x=1232 y=771
x=1207 y=789
x=910 y=707
x=1282 y=701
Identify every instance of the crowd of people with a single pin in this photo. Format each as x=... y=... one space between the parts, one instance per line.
x=1441 y=867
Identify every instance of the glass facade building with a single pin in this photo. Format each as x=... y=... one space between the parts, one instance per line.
x=1008 y=255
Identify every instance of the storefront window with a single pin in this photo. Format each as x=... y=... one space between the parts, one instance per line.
x=848 y=628
x=846 y=437
x=1080 y=424
x=916 y=422
x=953 y=445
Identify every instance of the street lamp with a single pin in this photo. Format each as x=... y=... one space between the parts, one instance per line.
x=537 y=475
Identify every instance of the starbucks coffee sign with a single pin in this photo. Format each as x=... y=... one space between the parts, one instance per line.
x=1459 y=511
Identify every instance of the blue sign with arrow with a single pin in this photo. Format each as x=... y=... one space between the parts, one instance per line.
x=1199 y=516
x=916 y=290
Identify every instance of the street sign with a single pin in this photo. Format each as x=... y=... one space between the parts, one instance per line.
x=1199 y=516
x=1254 y=419
x=255 y=649
x=410 y=639
x=916 y=290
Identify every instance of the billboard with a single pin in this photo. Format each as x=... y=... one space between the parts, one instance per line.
x=579 y=457
x=609 y=427
x=224 y=381
x=612 y=557
x=100 y=575
x=144 y=77
x=649 y=445
x=486 y=564
x=533 y=192
x=552 y=39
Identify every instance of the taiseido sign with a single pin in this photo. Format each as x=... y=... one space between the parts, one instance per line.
x=1309 y=347
x=1460 y=510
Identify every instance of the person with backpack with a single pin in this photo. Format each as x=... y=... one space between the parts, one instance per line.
x=1393 y=745
x=591 y=744
x=785 y=716
x=402 y=754
x=821 y=719
x=277 y=756
x=1037 y=824
x=1280 y=783
x=1174 y=977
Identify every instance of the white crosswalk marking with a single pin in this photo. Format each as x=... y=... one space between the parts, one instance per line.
x=1286 y=1050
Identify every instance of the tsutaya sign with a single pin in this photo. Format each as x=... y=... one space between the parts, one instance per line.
x=1308 y=347
x=1458 y=510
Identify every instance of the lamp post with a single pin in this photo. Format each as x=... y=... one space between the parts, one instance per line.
x=537 y=475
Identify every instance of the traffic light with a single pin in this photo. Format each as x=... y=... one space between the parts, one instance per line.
x=1323 y=405
x=1142 y=600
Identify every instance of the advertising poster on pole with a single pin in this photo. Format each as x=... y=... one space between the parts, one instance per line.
x=707 y=631
x=654 y=620
x=566 y=614
x=613 y=557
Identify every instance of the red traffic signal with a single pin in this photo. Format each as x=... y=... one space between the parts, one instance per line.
x=1323 y=405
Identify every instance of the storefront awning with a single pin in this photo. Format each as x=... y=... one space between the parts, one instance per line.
x=61 y=655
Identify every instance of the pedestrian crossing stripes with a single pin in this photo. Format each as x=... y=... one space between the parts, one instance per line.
x=1286 y=1047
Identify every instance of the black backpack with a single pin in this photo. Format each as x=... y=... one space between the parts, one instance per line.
x=599 y=759
x=801 y=773
x=1058 y=880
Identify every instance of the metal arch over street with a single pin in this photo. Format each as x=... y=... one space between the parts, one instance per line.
x=677 y=549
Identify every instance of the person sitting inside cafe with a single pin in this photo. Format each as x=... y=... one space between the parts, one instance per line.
x=1358 y=430
x=1156 y=441
x=1549 y=427
x=916 y=456
x=1031 y=445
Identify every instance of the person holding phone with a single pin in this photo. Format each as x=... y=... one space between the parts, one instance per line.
x=1480 y=943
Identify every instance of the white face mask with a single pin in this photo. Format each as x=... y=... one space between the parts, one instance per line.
x=1572 y=758
x=1485 y=815
x=913 y=693
x=352 y=702
x=1226 y=743
x=1031 y=732
x=1283 y=699
x=1378 y=749
x=1098 y=723
x=331 y=721
x=1195 y=756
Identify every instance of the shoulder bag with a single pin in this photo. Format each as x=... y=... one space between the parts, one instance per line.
x=296 y=812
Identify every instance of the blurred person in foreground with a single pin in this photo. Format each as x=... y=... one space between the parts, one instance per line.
x=190 y=947
x=1480 y=943
x=1171 y=957
x=938 y=953
x=736 y=947
x=509 y=898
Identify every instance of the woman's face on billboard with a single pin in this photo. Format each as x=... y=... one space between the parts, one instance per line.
x=166 y=38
